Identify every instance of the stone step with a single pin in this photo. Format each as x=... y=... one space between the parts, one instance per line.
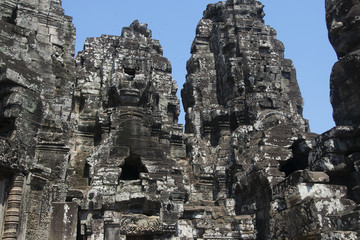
x=313 y=214
x=199 y=209
x=304 y=191
x=343 y=235
x=247 y=235
x=346 y=222
x=200 y=203
x=159 y=176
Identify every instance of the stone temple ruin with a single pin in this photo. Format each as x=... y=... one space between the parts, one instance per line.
x=91 y=148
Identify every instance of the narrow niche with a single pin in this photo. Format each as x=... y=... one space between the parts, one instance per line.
x=172 y=113
x=4 y=192
x=87 y=172
x=12 y=19
x=132 y=168
x=7 y=123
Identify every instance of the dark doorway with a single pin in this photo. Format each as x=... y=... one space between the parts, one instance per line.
x=4 y=193
x=132 y=168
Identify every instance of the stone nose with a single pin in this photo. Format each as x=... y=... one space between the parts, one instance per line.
x=336 y=26
x=13 y=99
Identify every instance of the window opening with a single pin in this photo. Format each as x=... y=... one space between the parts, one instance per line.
x=132 y=168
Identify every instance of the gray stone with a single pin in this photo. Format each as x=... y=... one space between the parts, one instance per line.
x=342 y=18
x=64 y=225
x=91 y=148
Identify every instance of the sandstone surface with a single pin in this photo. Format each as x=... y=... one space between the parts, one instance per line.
x=91 y=147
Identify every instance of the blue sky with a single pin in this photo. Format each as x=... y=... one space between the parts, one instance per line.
x=300 y=25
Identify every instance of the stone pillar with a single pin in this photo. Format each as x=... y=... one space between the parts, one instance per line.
x=112 y=231
x=12 y=214
x=64 y=221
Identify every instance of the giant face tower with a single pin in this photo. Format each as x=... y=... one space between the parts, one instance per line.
x=342 y=19
x=125 y=170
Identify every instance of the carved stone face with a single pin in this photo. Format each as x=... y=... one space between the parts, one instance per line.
x=343 y=22
x=20 y=112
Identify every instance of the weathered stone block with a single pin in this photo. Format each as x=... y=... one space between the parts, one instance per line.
x=306 y=191
x=345 y=235
x=64 y=225
x=112 y=232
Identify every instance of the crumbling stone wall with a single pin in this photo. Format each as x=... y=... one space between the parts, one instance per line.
x=37 y=73
x=91 y=148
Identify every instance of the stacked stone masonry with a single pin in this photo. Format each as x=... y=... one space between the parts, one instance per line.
x=91 y=147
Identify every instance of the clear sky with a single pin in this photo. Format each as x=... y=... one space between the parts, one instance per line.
x=300 y=25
